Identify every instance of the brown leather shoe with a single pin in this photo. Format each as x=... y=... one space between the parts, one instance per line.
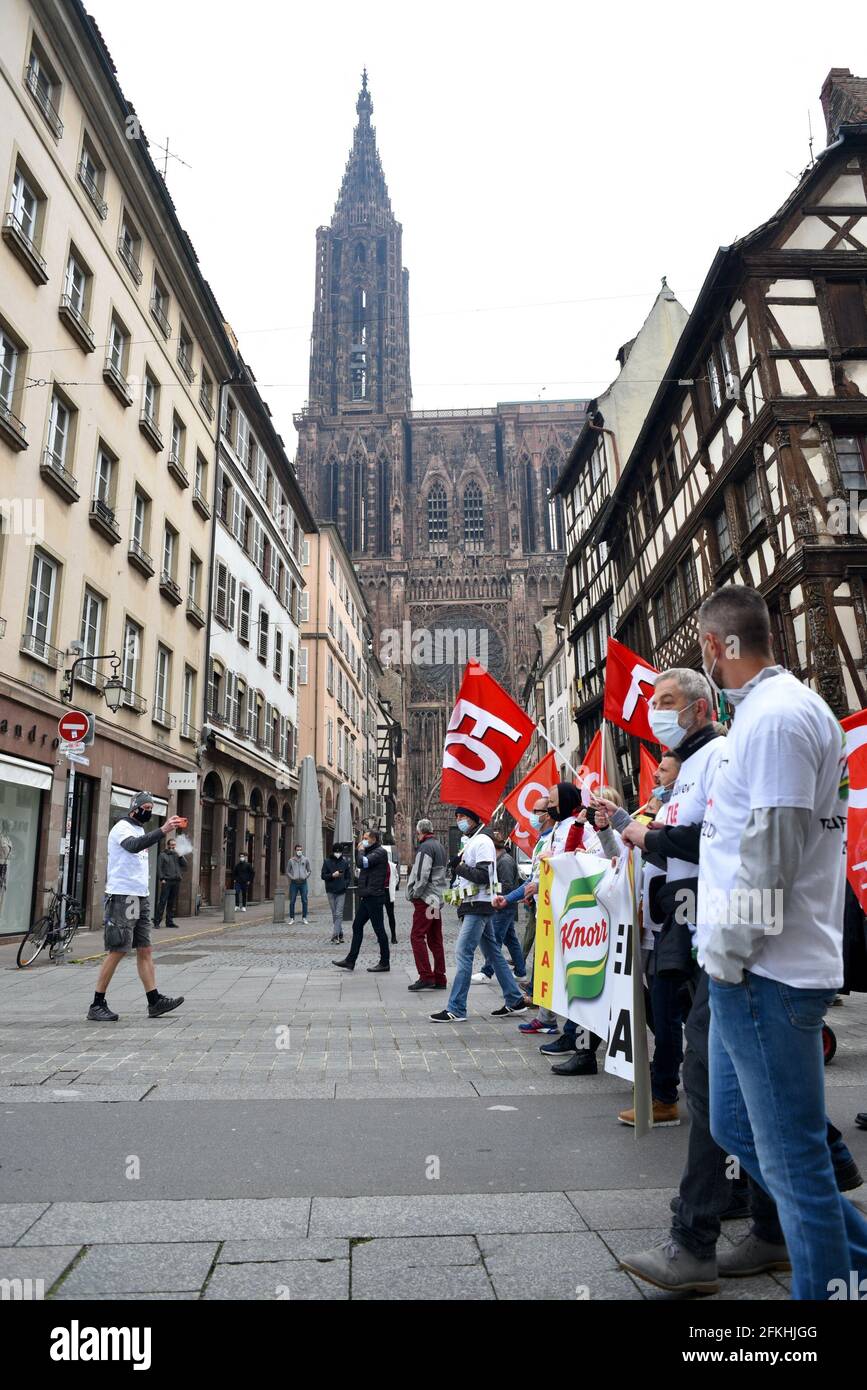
x=662 y=1115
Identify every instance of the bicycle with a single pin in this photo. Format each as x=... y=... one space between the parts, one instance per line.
x=48 y=932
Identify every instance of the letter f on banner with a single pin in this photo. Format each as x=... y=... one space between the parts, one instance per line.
x=486 y=739
x=628 y=681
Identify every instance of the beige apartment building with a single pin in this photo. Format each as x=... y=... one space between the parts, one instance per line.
x=112 y=359
x=336 y=671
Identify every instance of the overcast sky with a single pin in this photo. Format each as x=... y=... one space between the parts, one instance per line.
x=549 y=162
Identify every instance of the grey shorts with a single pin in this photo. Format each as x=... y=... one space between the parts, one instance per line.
x=127 y=922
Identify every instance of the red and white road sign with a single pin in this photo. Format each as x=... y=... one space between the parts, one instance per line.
x=73 y=726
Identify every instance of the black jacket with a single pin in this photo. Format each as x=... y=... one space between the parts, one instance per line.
x=171 y=866
x=336 y=885
x=243 y=872
x=372 y=880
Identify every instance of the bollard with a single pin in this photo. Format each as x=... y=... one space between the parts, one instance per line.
x=280 y=905
x=229 y=905
x=349 y=902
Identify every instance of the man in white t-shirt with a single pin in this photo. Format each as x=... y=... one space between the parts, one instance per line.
x=769 y=931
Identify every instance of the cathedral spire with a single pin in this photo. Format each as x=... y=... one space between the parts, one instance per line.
x=363 y=195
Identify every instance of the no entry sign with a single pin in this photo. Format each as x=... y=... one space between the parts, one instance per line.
x=74 y=726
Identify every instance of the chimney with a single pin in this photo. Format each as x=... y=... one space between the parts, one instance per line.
x=844 y=100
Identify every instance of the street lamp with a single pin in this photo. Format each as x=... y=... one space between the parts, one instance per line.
x=113 y=688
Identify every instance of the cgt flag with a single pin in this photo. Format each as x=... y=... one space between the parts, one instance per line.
x=647 y=765
x=487 y=737
x=628 y=678
x=856 y=835
x=521 y=801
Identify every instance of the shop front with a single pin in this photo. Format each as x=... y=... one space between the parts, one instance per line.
x=23 y=788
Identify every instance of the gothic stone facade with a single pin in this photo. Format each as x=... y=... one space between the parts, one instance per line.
x=445 y=513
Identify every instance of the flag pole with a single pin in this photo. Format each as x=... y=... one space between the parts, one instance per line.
x=602 y=781
x=585 y=784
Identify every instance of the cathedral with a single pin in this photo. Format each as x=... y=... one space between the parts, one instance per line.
x=447 y=513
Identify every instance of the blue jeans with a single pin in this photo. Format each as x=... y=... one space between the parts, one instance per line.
x=767 y=1108
x=504 y=930
x=296 y=886
x=474 y=931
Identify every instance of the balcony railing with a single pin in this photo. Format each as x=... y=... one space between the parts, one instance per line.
x=189 y=731
x=157 y=312
x=133 y=700
x=177 y=470
x=11 y=428
x=103 y=519
x=24 y=248
x=200 y=502
x=91 y=676
x=75 y=320
x=114 y=377
x=161 y=715
x=44 y=102
x=138 y=556
x=33 y=645
x=92 y=190
x=127 y=255
x=206 y=403
x=150 y=429
x=170 y=588
x=54 y=471
x=186 y=365
x=194 y=612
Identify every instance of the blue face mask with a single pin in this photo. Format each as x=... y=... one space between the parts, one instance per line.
x=663 y=794
x=464 y=826
x=536 y=820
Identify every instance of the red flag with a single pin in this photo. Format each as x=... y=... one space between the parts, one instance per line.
x=487 y=737
x=590 y=770
x=628 y=679
x=521 y=801
x=647 y=765
x=856 y=835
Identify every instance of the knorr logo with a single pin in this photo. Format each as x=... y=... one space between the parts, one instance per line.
x=584 y=938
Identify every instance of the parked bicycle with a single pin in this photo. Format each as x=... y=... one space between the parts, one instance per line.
x=48 y=931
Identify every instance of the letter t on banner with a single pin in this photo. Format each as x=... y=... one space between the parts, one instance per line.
x=487 y=736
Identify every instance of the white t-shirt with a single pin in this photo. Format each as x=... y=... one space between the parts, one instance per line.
x=689 y=797
x=477 y=851
x=127 y=873
x=785 y=749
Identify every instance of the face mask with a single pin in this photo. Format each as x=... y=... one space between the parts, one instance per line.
x=464 y=826
x=365 y=844
x=536 y=819
x=666 y=725
x=140 y=815
x=663 y=794
x=338 y=854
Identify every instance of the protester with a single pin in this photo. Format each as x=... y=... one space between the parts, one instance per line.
x=170 y=866
x=372 y=863
x=242 y=877
x=543 y=824
x=299 y=873
x=337 y=874
x=769 y=933
x=128 y=907
x=425 y=888
x=504 y=917
x=391 y=882
x=475 y=875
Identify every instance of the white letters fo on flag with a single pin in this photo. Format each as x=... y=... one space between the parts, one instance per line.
x=641 y=675
x=491 y=763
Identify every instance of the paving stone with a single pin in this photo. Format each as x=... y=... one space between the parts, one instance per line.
x=295 y=1280
x=443 y=1215
x=147 y=1221
x=190 y=1295
x=145 y=1268
x=612 y=1209
x=17 y=1217
x=415 y=1252
x=545 y=1266
x=381 y=1282
x=38 y=1262
x=85 y=1089
x=289 y=1248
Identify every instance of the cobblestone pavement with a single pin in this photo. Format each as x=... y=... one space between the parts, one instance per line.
x=267 y=1018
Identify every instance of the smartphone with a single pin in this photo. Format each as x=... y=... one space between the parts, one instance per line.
x=182 y=822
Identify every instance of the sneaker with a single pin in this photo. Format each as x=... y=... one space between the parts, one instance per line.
x=752 y=1256
x=536 y=1025
x=565 y=1043
x=670 y=1267
x=422 y=984
x=343 y=964
x=480 y=978
x=662 y=1115
x=508 y=1009
x=101 y=1013
x=304 y=922
x=341 y=939
x=163 y=1005
x=446 y=1017
x=379 y=969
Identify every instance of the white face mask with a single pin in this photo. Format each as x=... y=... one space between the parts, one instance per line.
x=666 y=725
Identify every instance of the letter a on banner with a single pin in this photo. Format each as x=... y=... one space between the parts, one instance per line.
x=487 y=736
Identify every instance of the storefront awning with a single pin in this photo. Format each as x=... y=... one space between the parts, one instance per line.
x=25 y=774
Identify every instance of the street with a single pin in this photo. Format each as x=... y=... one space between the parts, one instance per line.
x=295 y=1128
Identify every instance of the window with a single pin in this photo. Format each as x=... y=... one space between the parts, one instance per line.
x=151 y=398
x=241 y=707
x=329 y=674
x=847 y=302
x=161 y=684
x=221 y=592
x=118 y=346
x=719 y=371
x=305 y=553
x=258 y=546
x=752 y=501
x=201 y=475
x=304 y=606
x=179 y=436
x=723 y=536
x=140 y=527
x=206 y=393
x=437 y=515
x=103 y=490
x=160 y=306
x=690 y=581
x=244 y=619
x=129 y=247
x=91 y=176
x=132 y=635
x=231 y=698
x=76 y=284
x=189 y=701
x=59 y=433
x=194 y=580
x=331 y=618
x=661 y=615
x=239 y=519
x=329 y=740
x=358 y=357
x=262 y=644
x=24 y=221
x=291 y=663
x=170 y=548
x=40 y=604
x=243 y=439
x=852 y=461
x=252 y=714
x=648 y=503
x=215 y=691
x=8 y=372
x=668 y=469
x=675 y=600
x=44 y=86
x=474 y=514
x=302 y=665
x=278 y=653
x=228 y=417
x=224 y=498
x=185 y=353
